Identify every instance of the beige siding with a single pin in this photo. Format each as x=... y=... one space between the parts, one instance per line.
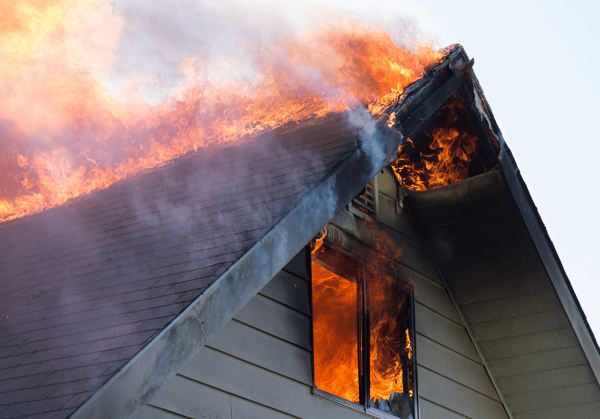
x=263 y=350
x=577 y=410
x=151 y=412
x=457 y=397
x=259 y=364
x=433 y=411
x=452 y=380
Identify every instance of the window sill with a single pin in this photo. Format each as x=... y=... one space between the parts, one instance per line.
x=369 y=411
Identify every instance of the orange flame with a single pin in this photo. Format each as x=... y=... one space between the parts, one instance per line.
x=386 y=302
x=318 y=243
x=336 y=313
x=446 y=157
x=334 y=333
x=63 y=134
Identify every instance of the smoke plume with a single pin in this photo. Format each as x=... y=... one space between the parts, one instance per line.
x=95 y=91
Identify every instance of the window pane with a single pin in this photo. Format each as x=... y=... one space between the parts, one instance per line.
x=389 y=346
x=335 y=328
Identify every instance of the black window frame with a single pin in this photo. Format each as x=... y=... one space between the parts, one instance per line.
x=408 y=318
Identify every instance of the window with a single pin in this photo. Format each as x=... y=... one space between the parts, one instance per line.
x=363 y=333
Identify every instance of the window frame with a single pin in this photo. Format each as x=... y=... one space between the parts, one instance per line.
x=365 y=267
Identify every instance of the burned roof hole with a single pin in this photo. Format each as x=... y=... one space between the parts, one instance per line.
x=444 y=150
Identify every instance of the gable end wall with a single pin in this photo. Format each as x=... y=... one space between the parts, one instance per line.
x=259 y=365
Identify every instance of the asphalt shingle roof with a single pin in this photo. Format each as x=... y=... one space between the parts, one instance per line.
x=88 y=284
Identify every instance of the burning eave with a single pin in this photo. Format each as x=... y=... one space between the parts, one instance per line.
x=486 y=232
x=435 y=88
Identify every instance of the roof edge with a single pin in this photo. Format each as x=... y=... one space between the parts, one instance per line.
x=137 y=382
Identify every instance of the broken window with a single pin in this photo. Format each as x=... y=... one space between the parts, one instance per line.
x=363 y=333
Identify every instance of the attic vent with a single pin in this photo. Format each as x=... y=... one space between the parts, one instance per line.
x=366 y=202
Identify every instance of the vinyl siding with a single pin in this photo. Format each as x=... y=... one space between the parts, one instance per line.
x=451 y=378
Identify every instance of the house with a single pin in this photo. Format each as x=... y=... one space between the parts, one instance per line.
x=190 y=291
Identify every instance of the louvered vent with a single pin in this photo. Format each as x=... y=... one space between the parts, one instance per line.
x=366 y=202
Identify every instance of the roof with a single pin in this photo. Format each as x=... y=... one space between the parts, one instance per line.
x=107 y=296
x=89 y=284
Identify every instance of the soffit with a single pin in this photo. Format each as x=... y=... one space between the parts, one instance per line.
x=541 y=358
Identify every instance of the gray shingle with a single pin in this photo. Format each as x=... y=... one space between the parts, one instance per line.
x=87 y=285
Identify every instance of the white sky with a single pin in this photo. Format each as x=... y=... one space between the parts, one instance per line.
x=538 y=64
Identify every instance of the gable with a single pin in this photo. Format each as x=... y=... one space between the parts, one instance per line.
x=500 y=268
x=172 y=261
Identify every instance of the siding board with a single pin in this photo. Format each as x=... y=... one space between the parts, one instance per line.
x=440 y=329
x=504 y=288
x=416 y=257
x=432 y=295
x=264 y=350
x=539 y=361
x=244 y=409
x=516 y=326
x=555 y=397
x=579 y=411
x=454 y=366
x=151 y=412
x=457 y=397
x=400 y=222
x=290 y=325
x=469 y=251
x=496 y=269
x=431 y=410
x=511 y=307
x=290 y=290
x=193 y=399
x=237 y=377
x=298 y=266
x=526 y=344
x=544 y=380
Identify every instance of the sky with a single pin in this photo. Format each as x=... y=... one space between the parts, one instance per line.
x=537 y=62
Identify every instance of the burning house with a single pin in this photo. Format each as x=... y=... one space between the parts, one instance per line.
x=344 y=267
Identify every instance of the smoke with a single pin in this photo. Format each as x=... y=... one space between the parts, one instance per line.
x=95 y=91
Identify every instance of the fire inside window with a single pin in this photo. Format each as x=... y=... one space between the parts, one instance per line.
x=363 y=333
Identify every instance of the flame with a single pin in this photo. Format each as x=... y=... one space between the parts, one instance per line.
x=446 y=156
x=408 y=345
x=335 y=337
x=64 y=134
x=336 y=316
x=386 y=302
x=318 y=243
